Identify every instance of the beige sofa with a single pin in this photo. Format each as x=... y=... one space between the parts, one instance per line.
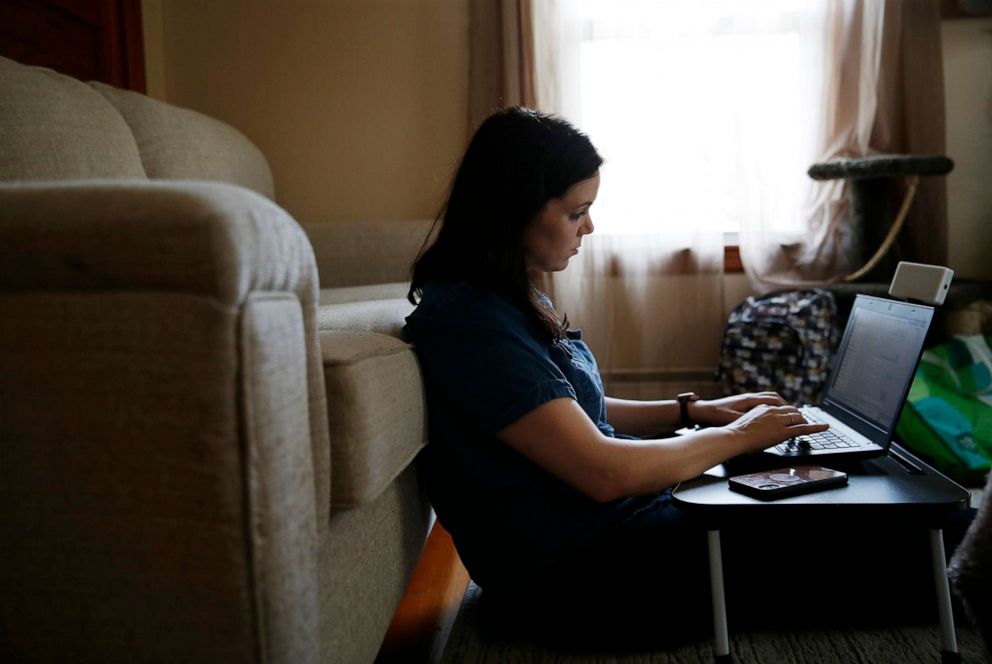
x=198 y=460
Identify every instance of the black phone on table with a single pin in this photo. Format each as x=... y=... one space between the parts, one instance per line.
x=791 y=481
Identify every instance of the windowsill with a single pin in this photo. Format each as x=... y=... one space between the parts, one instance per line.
x=732 y=259
x=732 y=253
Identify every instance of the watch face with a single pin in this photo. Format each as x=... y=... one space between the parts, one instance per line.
x=684 y=419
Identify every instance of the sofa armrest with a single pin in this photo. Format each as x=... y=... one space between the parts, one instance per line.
x=217 y=240
x=207 y=238
x=164 y=435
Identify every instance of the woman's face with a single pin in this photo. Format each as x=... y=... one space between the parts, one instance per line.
x=555 y=234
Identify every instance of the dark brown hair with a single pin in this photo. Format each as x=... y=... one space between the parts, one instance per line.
x=518 y=160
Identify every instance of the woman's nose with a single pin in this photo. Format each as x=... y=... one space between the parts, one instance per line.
x=588 y=227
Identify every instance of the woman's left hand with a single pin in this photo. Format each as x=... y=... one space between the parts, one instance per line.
x=717 y=412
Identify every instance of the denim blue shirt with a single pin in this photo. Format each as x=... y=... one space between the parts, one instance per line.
x=485 y=365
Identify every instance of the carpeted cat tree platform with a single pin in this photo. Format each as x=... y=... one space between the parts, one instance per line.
x=877 y=217
x=875 y=222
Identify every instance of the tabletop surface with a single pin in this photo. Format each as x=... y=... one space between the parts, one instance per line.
x=896 y=482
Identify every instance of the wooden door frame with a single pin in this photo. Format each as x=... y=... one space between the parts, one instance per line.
x=33 y=32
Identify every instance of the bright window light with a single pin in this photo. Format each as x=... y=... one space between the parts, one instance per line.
x=696 y=107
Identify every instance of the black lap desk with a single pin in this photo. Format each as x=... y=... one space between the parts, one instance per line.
x=898 y=485
x=881 y=483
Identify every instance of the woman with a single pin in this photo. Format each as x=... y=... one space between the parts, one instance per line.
x=548 y=486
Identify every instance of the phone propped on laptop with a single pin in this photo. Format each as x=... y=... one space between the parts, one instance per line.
x=868 y=382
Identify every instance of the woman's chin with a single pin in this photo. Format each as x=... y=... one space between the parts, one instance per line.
x=550 y=267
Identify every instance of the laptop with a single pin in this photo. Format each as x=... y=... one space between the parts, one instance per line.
x=868 y=383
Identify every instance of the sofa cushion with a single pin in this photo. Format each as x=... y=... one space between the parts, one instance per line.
x=53 y=127
x=375 y=412
x=382 y=316
x=365 y=566
x=180 y=144
x=393 y=291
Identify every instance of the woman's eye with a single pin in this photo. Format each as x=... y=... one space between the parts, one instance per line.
x=575 y=216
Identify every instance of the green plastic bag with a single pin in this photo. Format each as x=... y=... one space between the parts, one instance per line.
x=947 y=418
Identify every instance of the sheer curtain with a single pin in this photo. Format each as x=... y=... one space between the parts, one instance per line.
x=697 y=108
x=879 y=90
x=709 y=113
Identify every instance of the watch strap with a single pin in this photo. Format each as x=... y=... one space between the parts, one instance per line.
x=684 y=399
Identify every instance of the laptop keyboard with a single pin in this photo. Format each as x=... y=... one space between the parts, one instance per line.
x=824 y=440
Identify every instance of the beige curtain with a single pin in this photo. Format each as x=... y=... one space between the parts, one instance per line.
x=501 y=57
x=881 y=93
x=911 y=118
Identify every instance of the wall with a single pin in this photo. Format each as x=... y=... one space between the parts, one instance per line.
x=359 y=105
x=968 y=92
x=151 y=26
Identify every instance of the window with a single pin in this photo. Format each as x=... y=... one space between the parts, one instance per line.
x=697 y=107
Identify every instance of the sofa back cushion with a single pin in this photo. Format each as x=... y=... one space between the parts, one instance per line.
x=180 y=144
x=53 y=127
x=359 y=253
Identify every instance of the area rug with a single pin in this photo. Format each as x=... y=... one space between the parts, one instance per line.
x=905 y=645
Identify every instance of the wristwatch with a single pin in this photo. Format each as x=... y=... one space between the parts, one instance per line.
x=684 y=399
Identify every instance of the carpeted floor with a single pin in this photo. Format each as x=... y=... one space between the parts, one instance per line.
x=909 y=645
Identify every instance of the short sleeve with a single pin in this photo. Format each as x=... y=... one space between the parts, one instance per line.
x=491 y=368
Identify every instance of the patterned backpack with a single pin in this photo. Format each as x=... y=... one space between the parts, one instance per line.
x=783 y=342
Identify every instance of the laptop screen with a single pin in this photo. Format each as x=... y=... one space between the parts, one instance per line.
x=877 y=359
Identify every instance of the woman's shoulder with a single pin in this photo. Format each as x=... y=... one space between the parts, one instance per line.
x=461 y=305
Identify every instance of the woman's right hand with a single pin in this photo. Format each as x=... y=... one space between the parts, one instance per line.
x=764 y=426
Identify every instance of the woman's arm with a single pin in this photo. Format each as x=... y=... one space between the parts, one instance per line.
x=560 y=437
x=649 y=418
x=642 y=418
